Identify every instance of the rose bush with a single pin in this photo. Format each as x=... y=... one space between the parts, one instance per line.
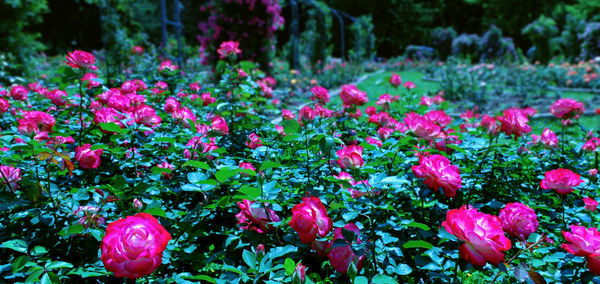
x=250 y=185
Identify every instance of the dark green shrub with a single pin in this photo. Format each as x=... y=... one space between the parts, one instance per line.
x=466 y=46
x=441 y=40
x=541 y=33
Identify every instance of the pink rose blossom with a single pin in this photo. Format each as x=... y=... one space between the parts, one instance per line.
x=256 y=216
x=518 y=220
x=561 y=180
x=133 y=247
x=309 y=219
x=350 y=157
x=482 y=233
x=439 y=172
x=88 y=159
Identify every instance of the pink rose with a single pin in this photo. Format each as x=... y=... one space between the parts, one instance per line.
x=426 y=101
x=395 y=80
x=561 y=180
x=584 y=242
x=166 y=165
x=207 y=99
x=374 y=141
x=514 y=122
x=133 y=247
x=438 y=117
x=286 y=114
x=309 y=219
x=219 y=125
x=299 y=273
x=255 y=216
x=439 y=172
x=409 y=85
x=81 y=59
x=549 y=138
x=319 y=94
x=166 y=65
x=370 y=110
x=35 y=122
x=19 y=93
x=228 y=48
x=566 y=108
x=146 y=115
x=4 y=105
x=482 y=234
x=88 y=159
x=422 y=127
x=10 y=177
x=350 y=157
x=518 y=220
x=307 y=114
x=590 y=204
x=254 y=141
x=171 y=105
x=384 y=100
x=246 y=166
x=350 y=96
x=137 y=50
x=341 y=257
x=384 y=133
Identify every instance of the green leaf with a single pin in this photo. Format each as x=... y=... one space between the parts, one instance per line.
x=38 y=250
x=197 y=164
x=249 y=258
x=289 y=266
x=361 y=280
x=16 y=245
x=156 y=211
x=269 y=165
x=34 y=276
x=403 y=269
x=110 y=126
x=383 y=279
x=418 y=244
x=19 y=263
x=418 y=225
x=224 y=174
x=58 y=264
x=250 y=191
x=290 y=126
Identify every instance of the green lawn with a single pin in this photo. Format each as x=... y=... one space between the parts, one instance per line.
x=379 y=84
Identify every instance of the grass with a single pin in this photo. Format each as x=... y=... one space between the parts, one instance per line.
x=379 y=84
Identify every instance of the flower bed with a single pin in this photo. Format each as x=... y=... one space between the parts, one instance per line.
x=162 y=179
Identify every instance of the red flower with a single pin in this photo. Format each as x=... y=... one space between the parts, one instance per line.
x=146 y=115
x=566 y=108
x=422 y=127
x=81 y=59
x=590 y=204
x=350 y=157
x=19 y=93
x=518 y=220
x=254 y=141
x=228 y=48
x=438 y=172
x=561 y=180
x=219 y=125
x=351 y=96
x=10 y=177
x=138 y=50
x=286 y=114
x=255 y=216
x=309 y=219
x=514 y=122
x=133 y=247
x=319 y=94
x=395 y=80
x=482 y=233
x=4 y=105
x=584 y=242
x=438 y=117
x=88 y=159
x=341 y=257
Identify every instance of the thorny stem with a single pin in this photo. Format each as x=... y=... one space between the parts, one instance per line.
x=487 y=151
x=540 y=240
x=80 y=108
x=372 y=235
x=307 y=156
x=7 y=182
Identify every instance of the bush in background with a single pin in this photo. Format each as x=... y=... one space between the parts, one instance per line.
x=441 y=40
